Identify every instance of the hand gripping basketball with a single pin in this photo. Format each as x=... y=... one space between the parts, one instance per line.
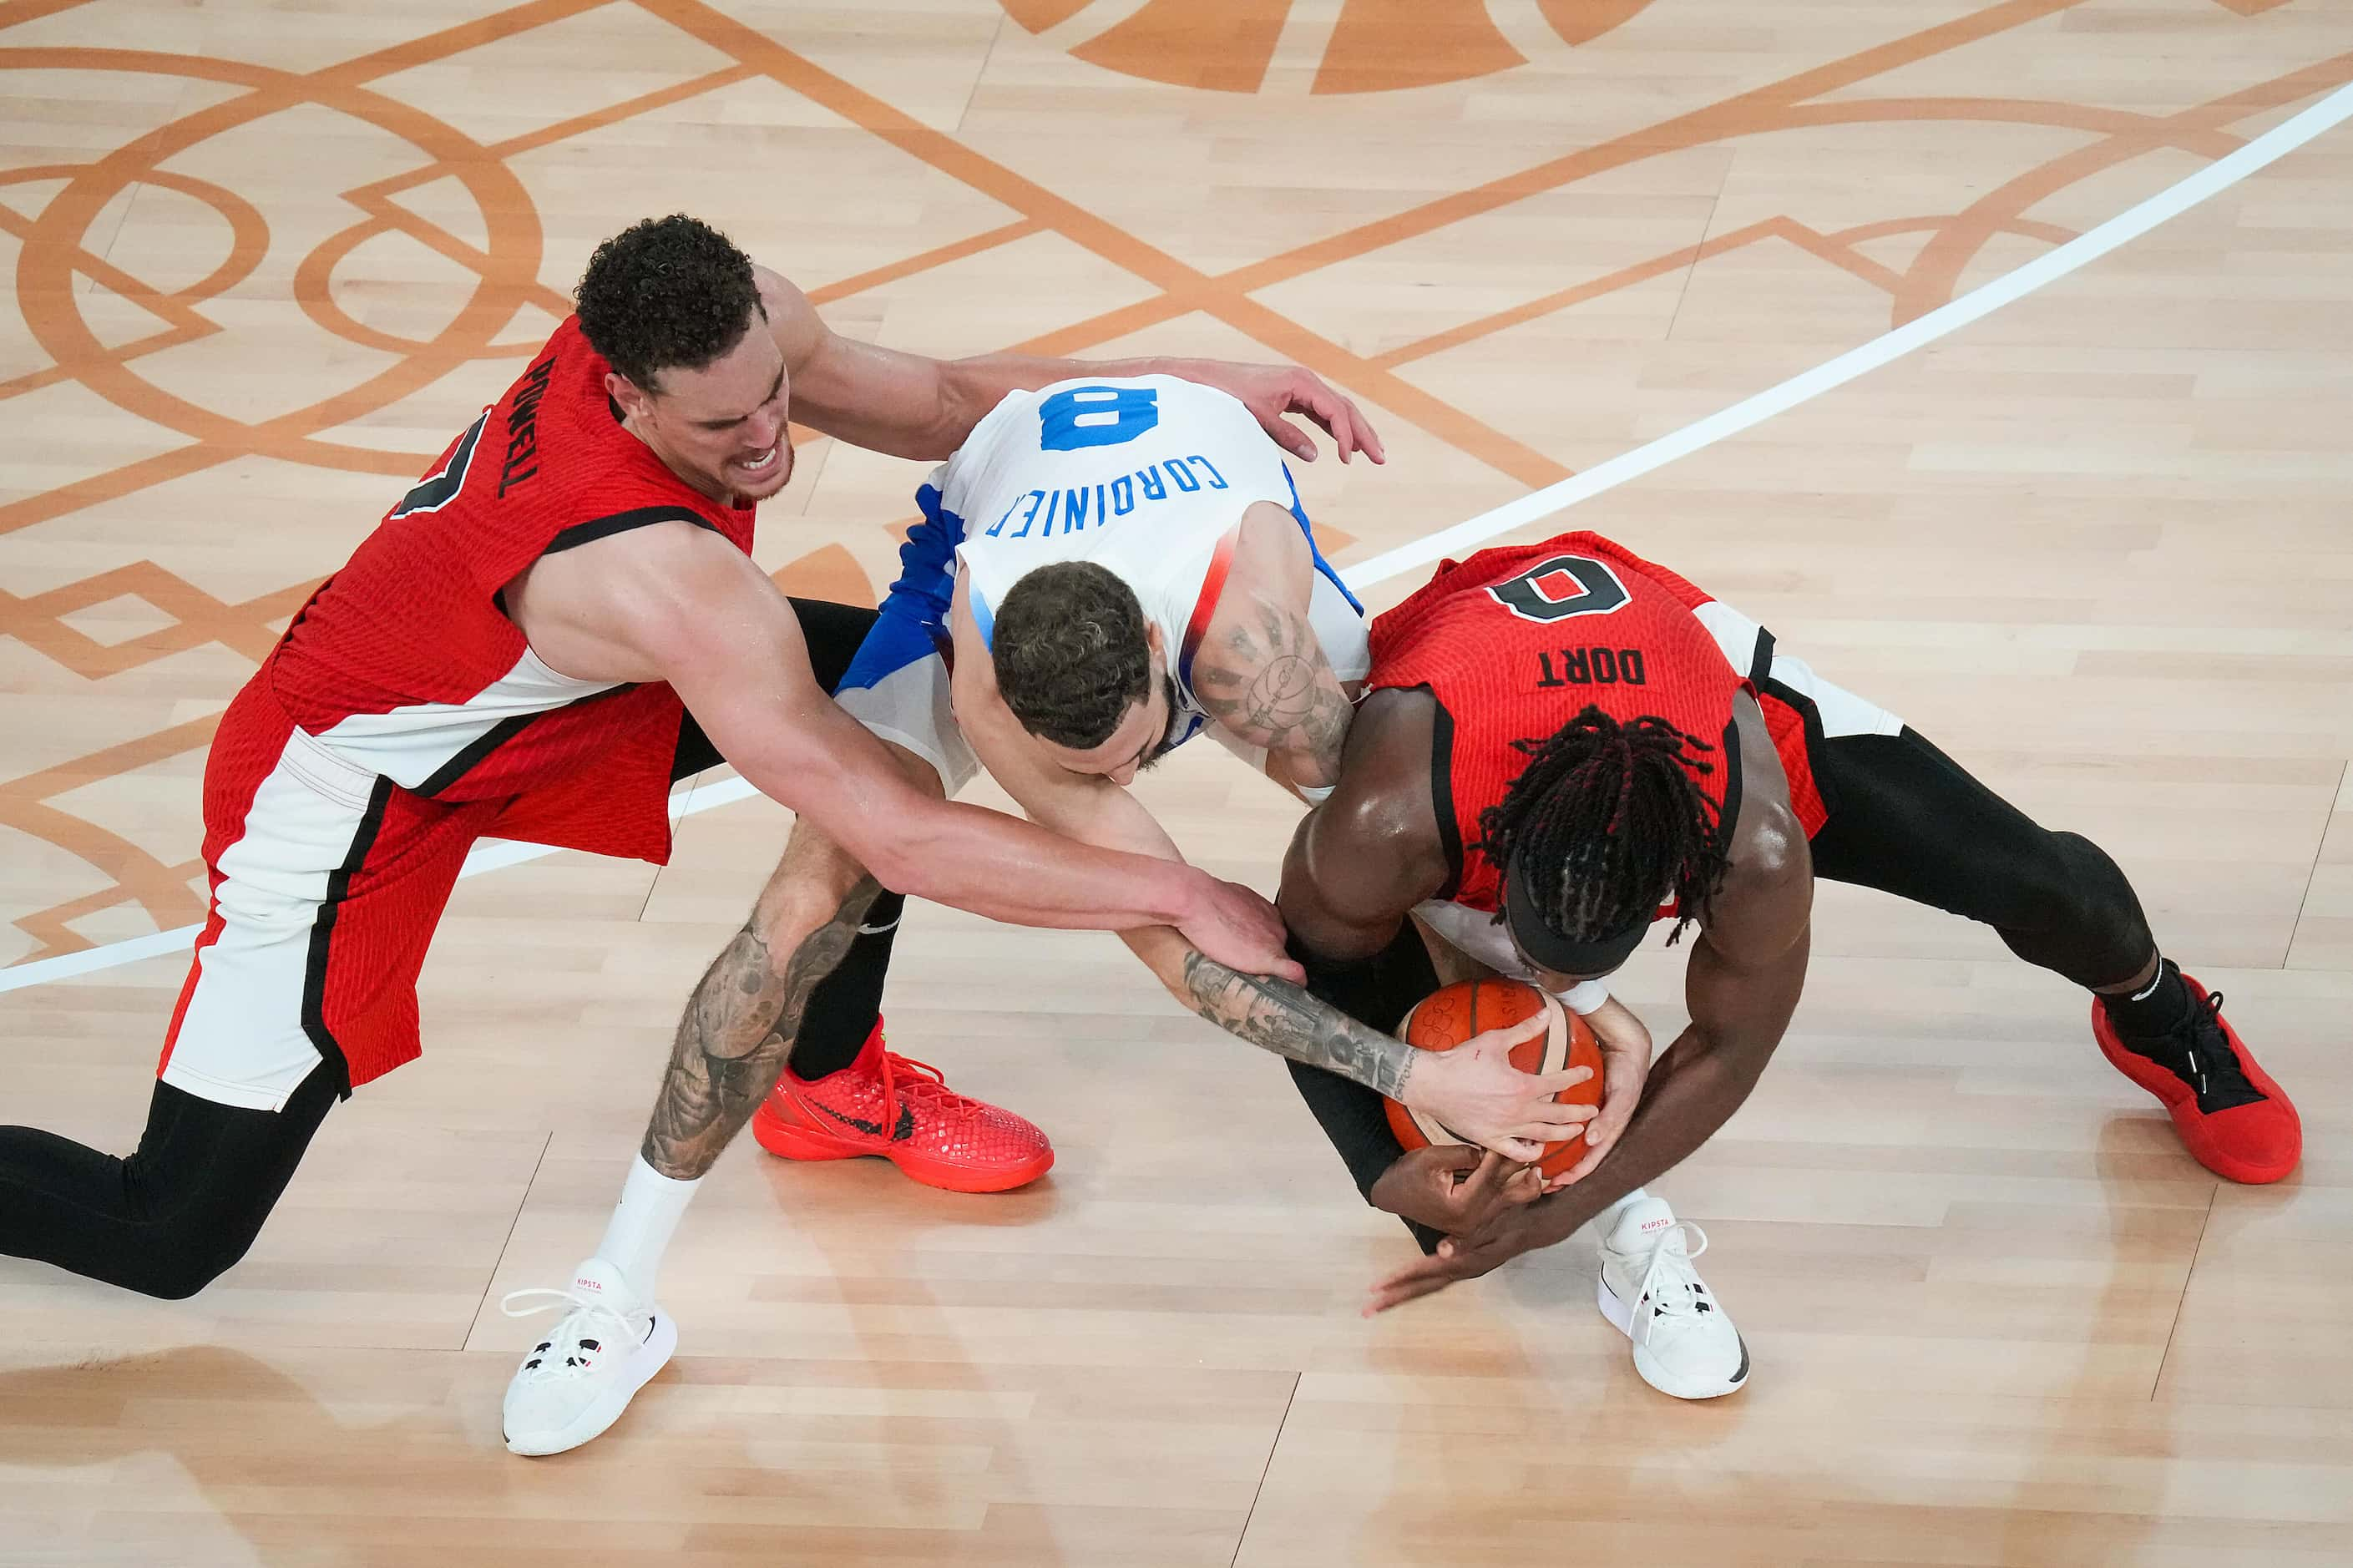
x=1472 y=1091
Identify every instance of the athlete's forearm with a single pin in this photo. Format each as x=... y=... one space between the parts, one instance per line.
x=735 y=1033
x=1692 y=1091
x=970 y=388
x=1012 y=870
x=1276 y=1016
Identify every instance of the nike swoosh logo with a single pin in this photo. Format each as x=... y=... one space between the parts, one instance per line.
x=898 y=1134
x=872 y=1129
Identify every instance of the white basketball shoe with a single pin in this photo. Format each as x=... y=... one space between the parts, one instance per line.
x=1683 y=1343
x=578 y=1380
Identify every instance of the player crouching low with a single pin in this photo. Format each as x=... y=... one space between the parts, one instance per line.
x=1562 y=744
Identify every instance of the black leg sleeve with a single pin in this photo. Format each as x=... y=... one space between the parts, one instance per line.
x=1377 y=990
x=174 y=1215
x=843 y=1009
x=1909 y=820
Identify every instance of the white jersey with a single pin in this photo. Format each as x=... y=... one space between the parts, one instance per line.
x=1145 y=477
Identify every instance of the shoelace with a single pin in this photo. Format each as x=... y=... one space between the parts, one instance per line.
x=2209 y=1066
x=593 y=1311
x=928 y=1085
x=1671 y=1284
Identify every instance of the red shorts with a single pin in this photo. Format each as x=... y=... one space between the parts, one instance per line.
x=327 y=882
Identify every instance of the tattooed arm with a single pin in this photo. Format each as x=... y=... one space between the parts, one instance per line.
x=740 y=1023
x=1474 y=1089
x=1261 y=673
x=1277 y=1015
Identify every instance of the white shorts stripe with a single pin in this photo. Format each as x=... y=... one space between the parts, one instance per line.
x=241 y=1040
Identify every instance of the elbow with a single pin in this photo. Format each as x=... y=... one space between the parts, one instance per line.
x=1780 y=849
x=919 y=845
x=1735 y=1055
x=1743 y=1058
x=900 y=866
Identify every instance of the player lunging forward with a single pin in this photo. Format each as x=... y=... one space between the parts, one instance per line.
x=557 y=621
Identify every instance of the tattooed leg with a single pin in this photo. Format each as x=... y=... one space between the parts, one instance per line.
x=739 y=1025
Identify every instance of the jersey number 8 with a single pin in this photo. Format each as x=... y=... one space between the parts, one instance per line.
x=1096 y=416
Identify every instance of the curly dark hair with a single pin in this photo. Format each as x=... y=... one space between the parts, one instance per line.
x=1604 y=819
x=666 y=292
x=1070 y=653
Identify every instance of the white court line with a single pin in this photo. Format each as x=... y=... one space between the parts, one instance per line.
x=2090 y=246
x=2127 y=225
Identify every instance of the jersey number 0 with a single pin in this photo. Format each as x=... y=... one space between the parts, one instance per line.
x=1561 y=586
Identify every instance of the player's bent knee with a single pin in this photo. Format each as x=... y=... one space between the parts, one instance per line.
x=176 y=1269
x=787 y=922
x=2094 y=891
x=2077 y=914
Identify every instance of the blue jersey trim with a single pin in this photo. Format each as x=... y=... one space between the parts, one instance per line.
x=1313 y=550
x=913 y=623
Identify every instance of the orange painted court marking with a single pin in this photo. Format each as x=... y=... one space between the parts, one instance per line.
x=14 y=12
x=1173 y=277
x=54 y=253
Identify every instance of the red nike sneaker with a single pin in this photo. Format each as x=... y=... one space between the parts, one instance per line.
x=884 y=1104
x=2230 y=1114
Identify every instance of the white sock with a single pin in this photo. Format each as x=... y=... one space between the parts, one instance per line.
x=1607 y=1220
x=643 y=1222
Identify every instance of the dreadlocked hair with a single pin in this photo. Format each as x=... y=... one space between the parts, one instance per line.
x=1606 y=818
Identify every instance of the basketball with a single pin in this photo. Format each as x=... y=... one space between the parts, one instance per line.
x=1454 y=1014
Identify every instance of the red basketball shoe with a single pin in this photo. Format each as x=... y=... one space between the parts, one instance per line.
x=884 y=1104
x=2231 y=1115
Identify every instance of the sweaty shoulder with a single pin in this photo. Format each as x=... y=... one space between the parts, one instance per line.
x=636 y=604
x=1767 y=893
x=1375 y=847
x=792 y=321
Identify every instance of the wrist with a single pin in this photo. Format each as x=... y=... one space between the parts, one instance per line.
x=1378 y=1189
x=1179 y=895
x=1201 y=372
x=1406 y=1091
x=1561 y=1214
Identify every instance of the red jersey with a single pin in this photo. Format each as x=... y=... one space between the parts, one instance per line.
x=404 y=664
x=1513 y=643
x=402 y=716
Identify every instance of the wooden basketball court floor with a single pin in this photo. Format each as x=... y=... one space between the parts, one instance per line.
x=267 y=257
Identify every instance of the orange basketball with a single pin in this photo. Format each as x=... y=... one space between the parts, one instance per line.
x=1454 y=1014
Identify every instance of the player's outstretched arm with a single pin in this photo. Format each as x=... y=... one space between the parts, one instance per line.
x=910 y=406
x=672 y=602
